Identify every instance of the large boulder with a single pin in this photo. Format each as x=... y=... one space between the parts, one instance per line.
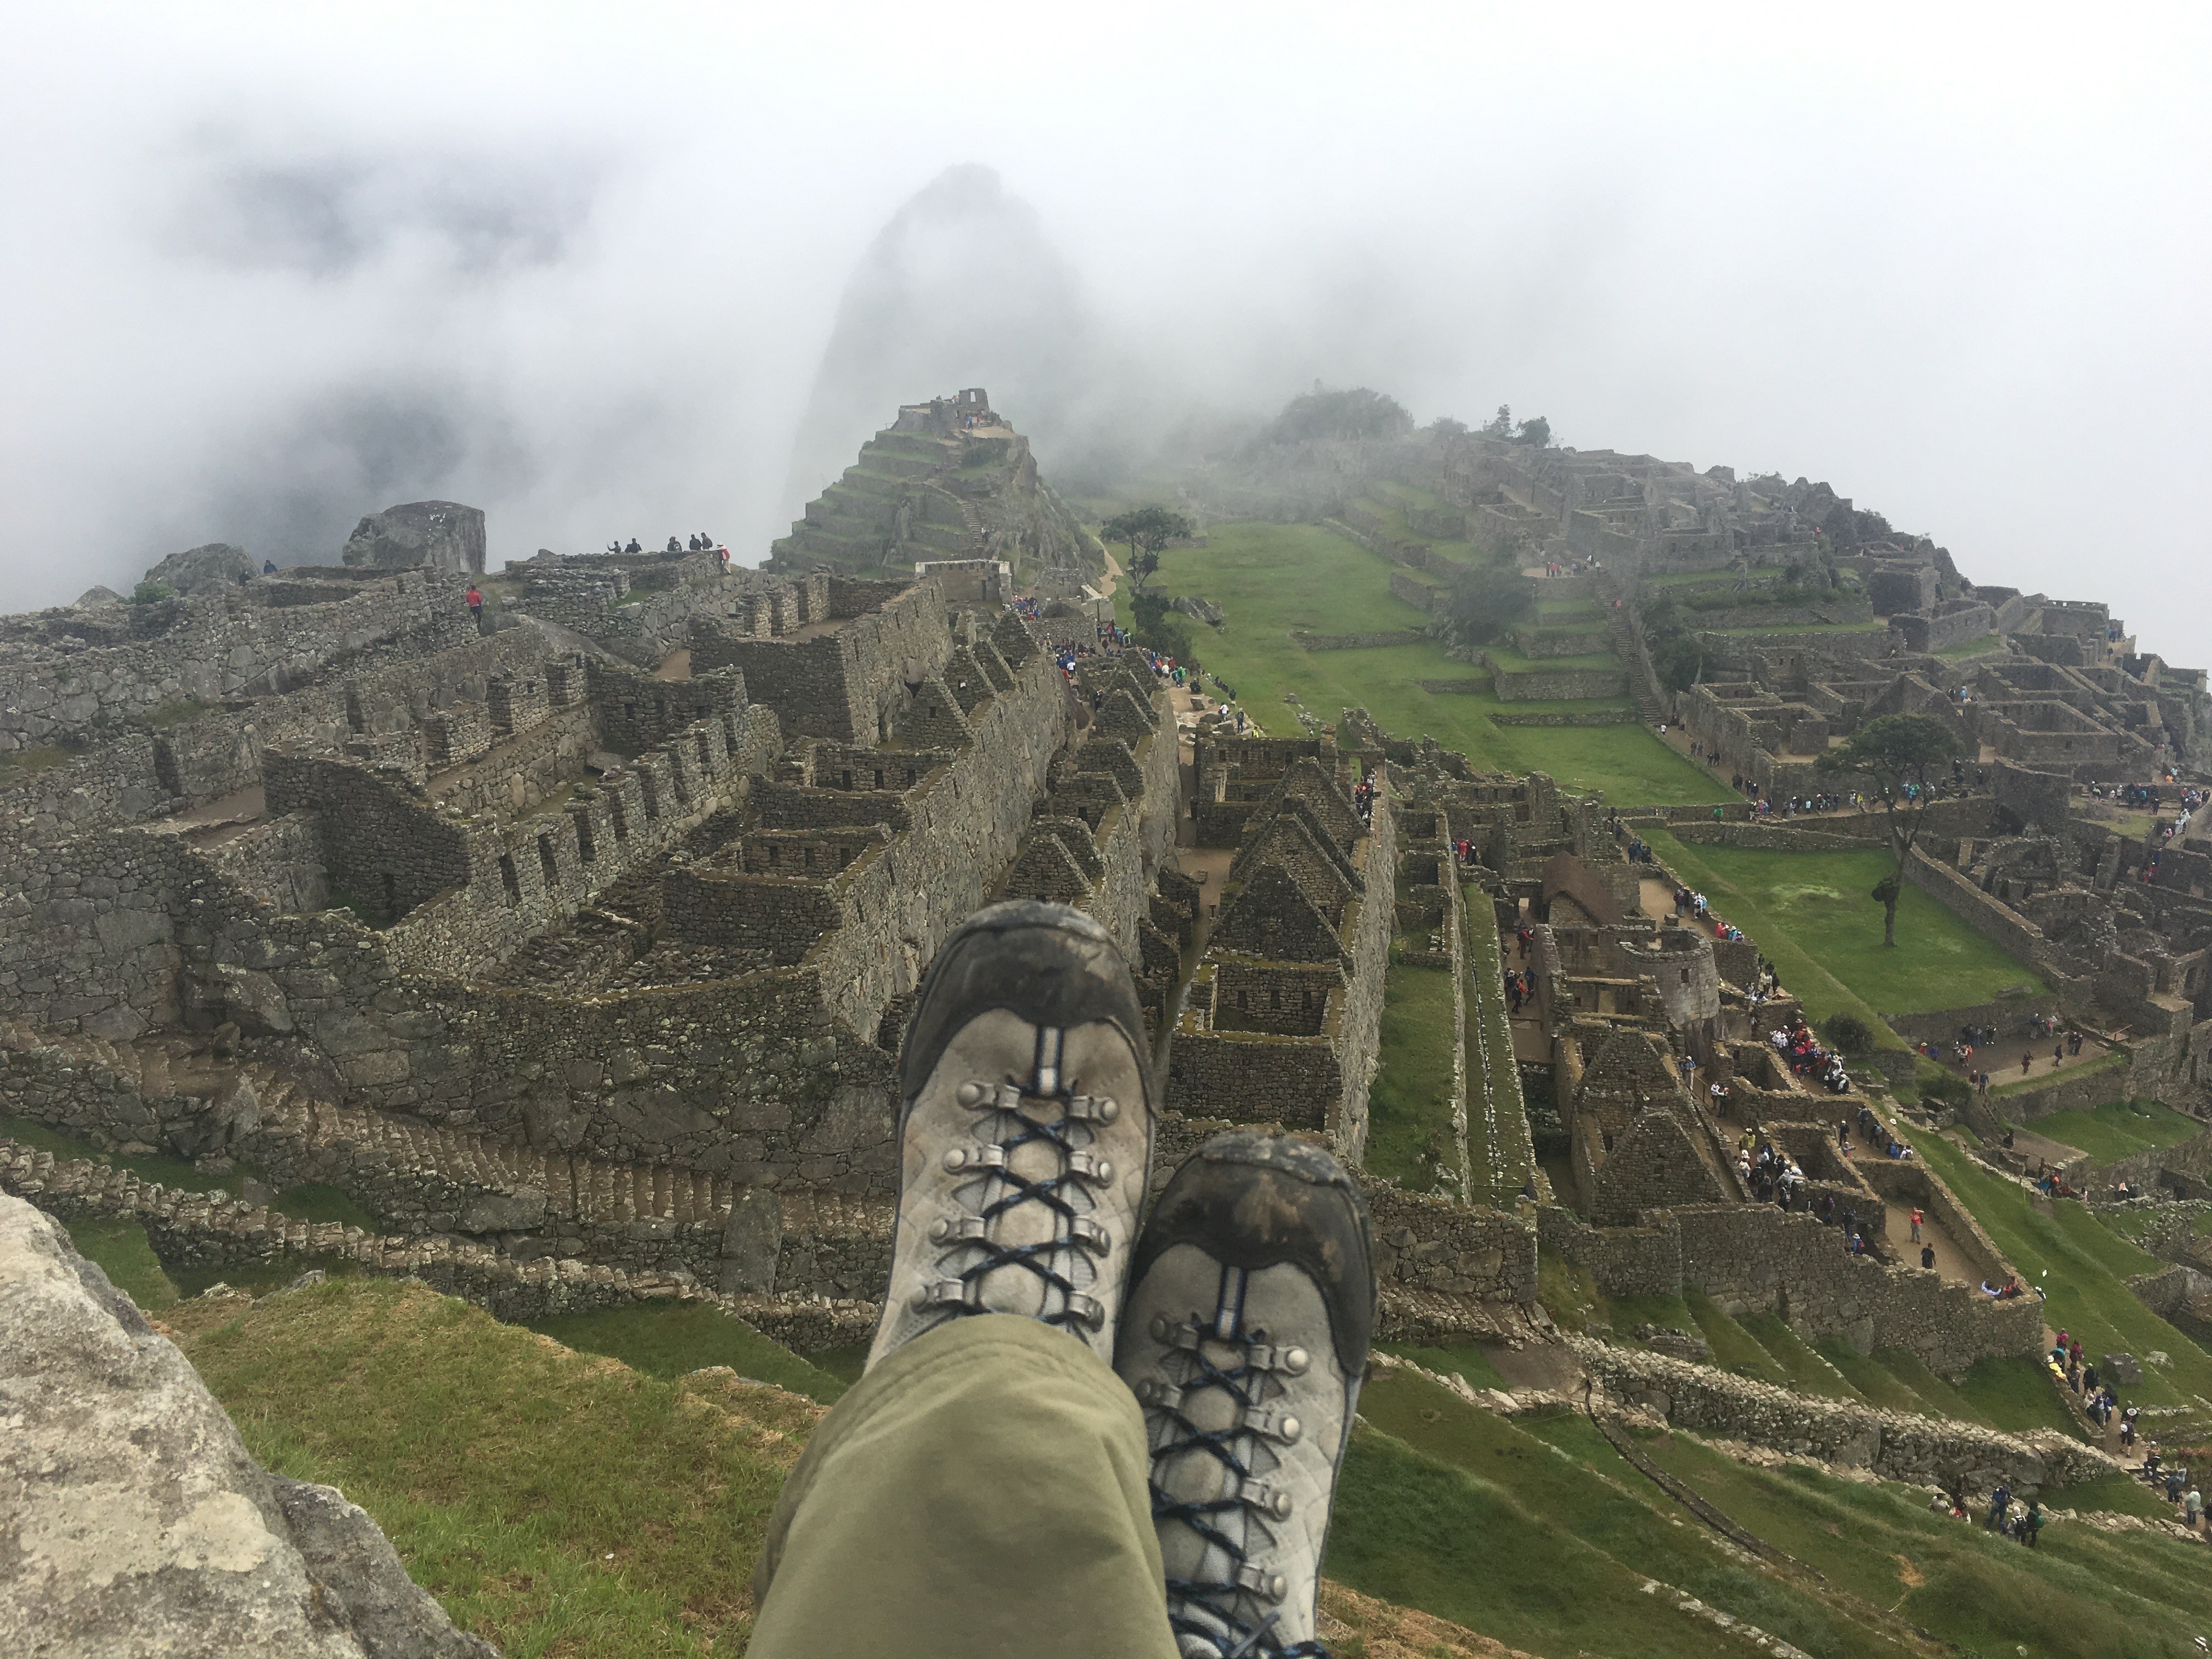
x=442 y=534
x=217 y=565
x=132 y=1519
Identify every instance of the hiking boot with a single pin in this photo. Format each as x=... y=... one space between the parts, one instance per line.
x=1025 y=1131
x=1244 y=1338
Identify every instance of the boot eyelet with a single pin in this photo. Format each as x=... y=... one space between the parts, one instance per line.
x=969 y=1094
x=957 y=1158
x=1281 y=1507
x=1290 y=1430
x=1163 y=1328
x=1294 y=1361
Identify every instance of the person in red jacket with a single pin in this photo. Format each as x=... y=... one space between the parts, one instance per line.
x=475 y=604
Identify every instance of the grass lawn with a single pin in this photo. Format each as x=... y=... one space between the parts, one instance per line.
x=1808 y=1372
x=1782 y=624
x=1734 y=1348
x=1874 y=1382
x=1980 y=647
x=555 y=1501
x=670 y=1339
x=1508 y=661
x=1810 y=913
x=2108 y=1061
x=310 y=1202
x=2116 y=1131
x=1409 y=1103
x=120 y=1249
x=1500 y=1162
x=2081 y=1267
x=1270 y=578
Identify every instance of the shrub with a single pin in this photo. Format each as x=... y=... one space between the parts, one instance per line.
x=152 y=594
x=1488 y=600
x=1849 y=1036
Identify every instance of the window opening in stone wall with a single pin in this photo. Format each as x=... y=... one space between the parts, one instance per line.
x=585 y=850
x=1685 y=976
x=512 y=883
x=617 y=816
x=646 y=783
x=546 y=857
x=390 y=896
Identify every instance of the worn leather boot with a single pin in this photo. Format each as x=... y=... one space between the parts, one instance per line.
x=1244 y=1338
x=1026 y=1129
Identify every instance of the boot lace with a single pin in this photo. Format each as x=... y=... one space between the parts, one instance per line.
x=1232 y=1616
x=1014 y=1116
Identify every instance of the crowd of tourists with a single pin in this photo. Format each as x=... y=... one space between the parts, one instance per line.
x=1692 y=906
x=1807 y=1057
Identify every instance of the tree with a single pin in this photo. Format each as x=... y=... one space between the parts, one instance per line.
x=1899 y=755
x=1534 y=430
x=1677 y=658
x=1146 y=529
x=1487 y=600
x=1353 y=412
x=1499 y=425
x=1444 y=426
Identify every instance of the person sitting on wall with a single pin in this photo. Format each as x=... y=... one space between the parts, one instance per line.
x=633 y=547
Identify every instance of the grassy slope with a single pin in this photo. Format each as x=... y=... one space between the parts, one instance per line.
x=1271 y=578
x=1499 y=1170
x=1468 y=1516
x=2115 y=1131
x=668 y=1340
x=555 y=1501
x=1409 y=1103
x=2080 y=1592
x=1813 y=907
x=2081 y=1267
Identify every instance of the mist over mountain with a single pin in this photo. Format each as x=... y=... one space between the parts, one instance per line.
x=962 y=287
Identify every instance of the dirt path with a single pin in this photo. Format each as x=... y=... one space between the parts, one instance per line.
x=1951 y=1265
x=1113 y=576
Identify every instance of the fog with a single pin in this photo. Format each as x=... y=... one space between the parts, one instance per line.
x=652 y=269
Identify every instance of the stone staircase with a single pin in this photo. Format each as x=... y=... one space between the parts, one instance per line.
x=1622 y=639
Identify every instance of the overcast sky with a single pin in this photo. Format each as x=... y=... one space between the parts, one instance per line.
x=269 y=268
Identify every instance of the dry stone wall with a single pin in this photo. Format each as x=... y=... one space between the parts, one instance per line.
x=1895 y=1445
x=216 y=644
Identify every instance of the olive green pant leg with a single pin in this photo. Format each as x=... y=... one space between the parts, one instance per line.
x=979 y=1494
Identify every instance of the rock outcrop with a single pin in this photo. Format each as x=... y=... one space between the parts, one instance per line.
x=442 y=534
x=133 y=1519
x=218 y=564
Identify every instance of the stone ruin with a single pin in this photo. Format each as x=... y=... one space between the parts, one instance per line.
x=948 y=481
x=576 y=947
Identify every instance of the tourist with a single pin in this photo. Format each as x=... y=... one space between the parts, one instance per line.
x=269 y=567
x=2031 y=1524
x=1915 y=1218
x=475 y=605
x=2000 y=1501
x=1927 y=1257
x=2192 y=1508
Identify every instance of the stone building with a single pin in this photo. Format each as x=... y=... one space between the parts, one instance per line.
x=1281 y=1023
x=948 y=481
